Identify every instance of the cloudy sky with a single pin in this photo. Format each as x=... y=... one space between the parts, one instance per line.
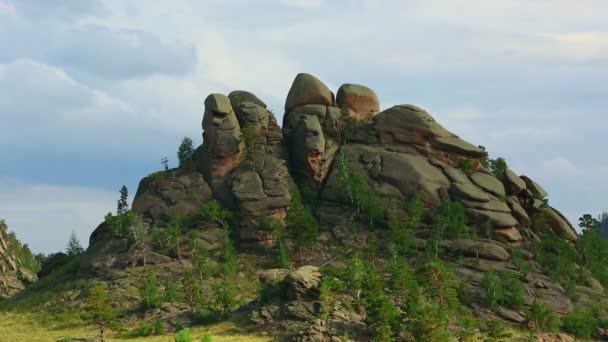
x=95 y=92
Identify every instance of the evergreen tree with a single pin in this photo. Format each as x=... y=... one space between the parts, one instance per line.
x=302 y=224
x=99 y=310
x=589 y=222
x=73 y=248
x=121 y=224
x=122 y=206
x=165 y=162
x=185 y=152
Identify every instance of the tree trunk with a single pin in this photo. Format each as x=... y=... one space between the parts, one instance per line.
x=101 y=332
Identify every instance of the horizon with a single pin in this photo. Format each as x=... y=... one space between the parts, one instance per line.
x=97 y=92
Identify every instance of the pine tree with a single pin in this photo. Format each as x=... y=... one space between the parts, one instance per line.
x=98 y=309
x=73 y=248
x=123 y=205
x=302 y=224
x=185 y=152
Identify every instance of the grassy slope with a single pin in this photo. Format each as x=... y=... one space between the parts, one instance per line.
x=42 y=313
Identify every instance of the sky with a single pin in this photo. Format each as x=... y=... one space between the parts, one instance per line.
x=95 y=92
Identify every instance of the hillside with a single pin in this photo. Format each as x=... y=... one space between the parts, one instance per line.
x=344 y=223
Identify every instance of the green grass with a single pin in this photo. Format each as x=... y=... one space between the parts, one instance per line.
x=22 y=326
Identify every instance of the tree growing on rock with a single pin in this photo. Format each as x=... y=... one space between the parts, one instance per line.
x=185 y=153
x=142 y=241
x=354 y=190
x=73 y=248
x=121 y=223
x=498 y=167
x=99 y=310
x=250 y=137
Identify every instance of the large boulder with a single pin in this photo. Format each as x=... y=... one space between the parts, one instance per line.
x=478 y=249
x=410 y=125
x=159 y=196
x=488 y=183
x=303 y=283
x=518 y=212
x=497 y=219
x=239 y=96
x=307 y=89
x=515 y=185
x=559 y=224
x=535 y=188
x=358 y=98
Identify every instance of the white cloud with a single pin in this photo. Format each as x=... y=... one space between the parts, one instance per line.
x=303 y=3
x=43 y=215
x=6 y=8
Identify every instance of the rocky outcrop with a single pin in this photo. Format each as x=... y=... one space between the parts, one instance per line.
x=162 y=195
x=222 y=145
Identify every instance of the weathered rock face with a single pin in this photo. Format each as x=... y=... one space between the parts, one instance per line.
x=410 y=125
x=182 y=192
x=221 y=137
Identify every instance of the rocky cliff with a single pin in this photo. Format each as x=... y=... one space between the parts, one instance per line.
x=14 y=273
x=400 y=153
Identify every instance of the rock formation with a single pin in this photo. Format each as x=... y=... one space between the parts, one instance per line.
x=253 y=167
x=14 y=275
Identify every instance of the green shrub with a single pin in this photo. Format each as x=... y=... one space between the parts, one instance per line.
x=498 y=167
x=150 y=295
x=159 y=327
x=144 y=329
x=582 y=323
x=354 y=190
x=524 y=266
x=451 y=220
x=207 y=338
x=542 y=318
x=183 y=336
x=556 y=256
x=466 y=166
x=271 y=291
x=503 y=288
x=495 y=331
x=570 y=289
